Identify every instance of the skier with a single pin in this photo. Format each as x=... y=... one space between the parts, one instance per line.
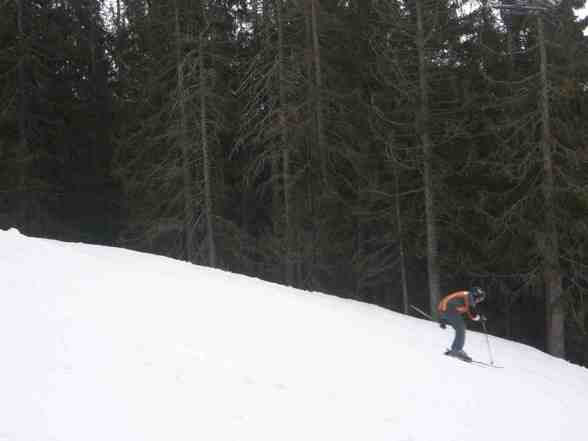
x=451 y=310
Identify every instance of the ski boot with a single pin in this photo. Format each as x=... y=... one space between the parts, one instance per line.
x=461 y=354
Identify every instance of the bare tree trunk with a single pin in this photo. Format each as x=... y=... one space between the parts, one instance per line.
x=405 y=300
x=118 y=22
x=585 y=339
x=510 y=49
x=206 y=163
x=425 y=138
x=263 y=28
x=507 y=311
x=255 y=8
x=311 y=257
x=23 y=85
x=285 y=148
x=185 y=146
x=318 y=87
x=550 y=247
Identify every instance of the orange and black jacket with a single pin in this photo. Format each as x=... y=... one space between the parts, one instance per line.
x=459 y=302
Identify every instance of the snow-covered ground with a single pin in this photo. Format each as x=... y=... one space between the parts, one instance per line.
x=105 y=344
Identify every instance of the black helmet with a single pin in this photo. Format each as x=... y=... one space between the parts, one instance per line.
x=478 y=294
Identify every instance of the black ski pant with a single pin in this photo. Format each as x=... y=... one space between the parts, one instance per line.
x=456 y=321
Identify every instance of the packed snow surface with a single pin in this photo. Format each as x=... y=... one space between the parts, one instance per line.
x=105 y=344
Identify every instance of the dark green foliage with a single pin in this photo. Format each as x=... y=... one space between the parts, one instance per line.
x=55 y=121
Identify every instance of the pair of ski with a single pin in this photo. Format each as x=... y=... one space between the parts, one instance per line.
x=479 y=363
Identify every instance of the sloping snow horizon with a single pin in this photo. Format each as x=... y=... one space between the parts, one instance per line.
x=101 y=343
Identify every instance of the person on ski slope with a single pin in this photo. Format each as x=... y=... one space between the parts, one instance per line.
x=452 y=308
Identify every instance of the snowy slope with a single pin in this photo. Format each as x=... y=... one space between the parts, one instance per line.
x=105 y=344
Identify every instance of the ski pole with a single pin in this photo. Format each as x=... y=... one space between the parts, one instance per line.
x=420 y=311
x=488 y=343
